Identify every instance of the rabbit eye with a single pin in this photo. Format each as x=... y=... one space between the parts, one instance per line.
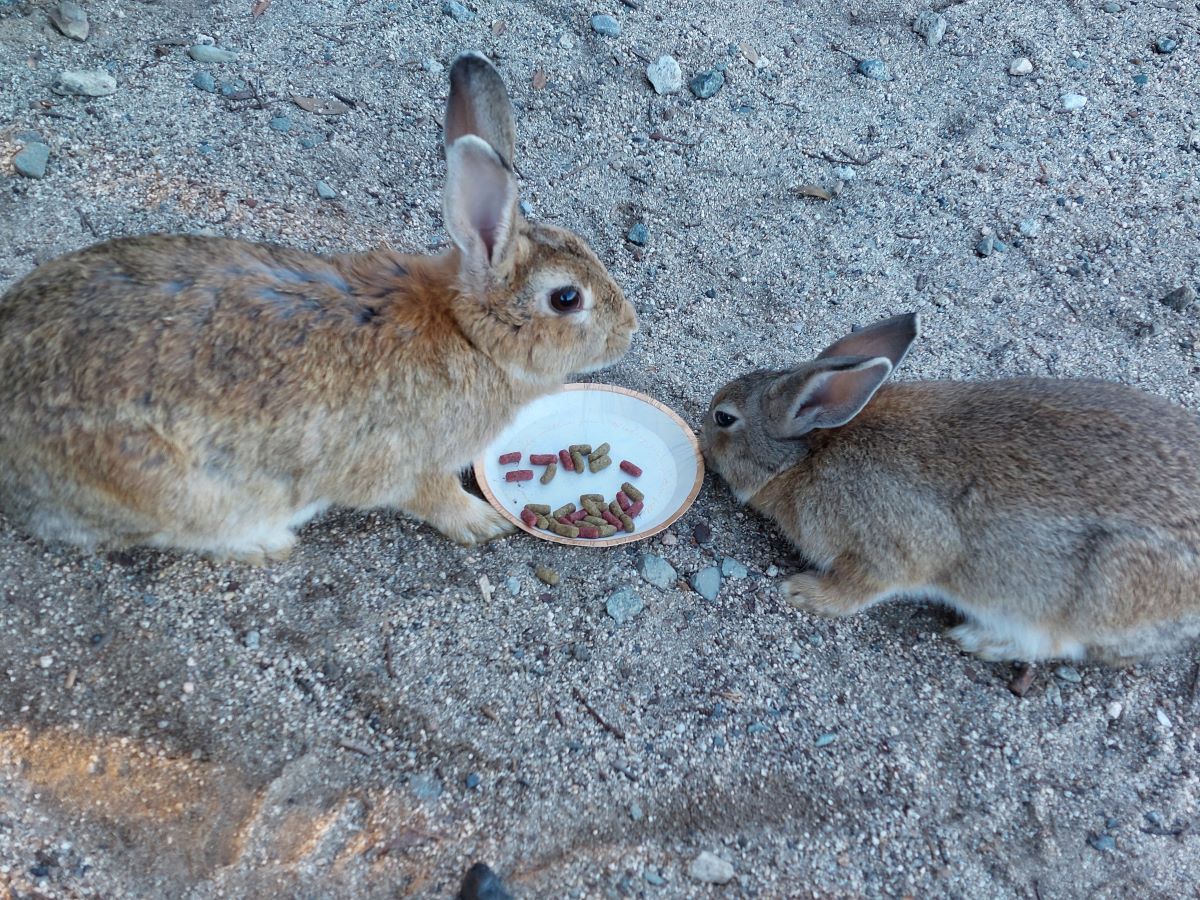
x=566 y=299
x=723 y=419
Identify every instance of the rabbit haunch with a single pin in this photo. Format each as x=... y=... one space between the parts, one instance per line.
x=211 y=395
x=1061 y=518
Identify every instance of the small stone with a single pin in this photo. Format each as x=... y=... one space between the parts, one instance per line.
x=669 y=539
x=1069 y=674
x=433 y=66
x=624 y=605
x=281 y=124
x=472 y=781
x=1114 y=710
x=310 y=140
x=457 y=11
x=46 y=662
x=731 y=568
x=772 y=570
x=1103 y=842
x=707 y=583
x=652 y=877
x=1165 y=45
x=930 y=26
x=1020 y=66
x=252 y=640
x=638 y=234
x=825 y=740
x=656 y=570
x=1163 y=719
x=1030 y=228
x=665 y=75
x=702 y=533
x=707 y=83
x=233 y=86
x=426 y=786
x=513 y=586
x=1111 y=6
x=581 y=651
x=1141 y=80
x=711 y=869
x=1072 y=102
x=324 y=191
x=207 y=53
x=546 y=575
x=987 y=246
x=845 y=173
x=82 y=83
x=1180 y=299
x=875 y=69
x=31 y=160
x=606 y=25
x=635 y=812
x=566 y=40
x=70 y=18
x=205 y=82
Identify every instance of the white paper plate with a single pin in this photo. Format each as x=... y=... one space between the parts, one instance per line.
x=639 y=429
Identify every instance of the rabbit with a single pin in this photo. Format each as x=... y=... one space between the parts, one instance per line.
x=212 y=395
x=1061 y=518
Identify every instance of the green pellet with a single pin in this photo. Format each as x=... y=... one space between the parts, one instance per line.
x=543 y=522
x=632 y=493
x=548 y=475
x=538 y=509
x=626 y=523
x=594 y=520
x=606 y=530
x=565 y=510
x=577 y=459
x=600 y=451
x=595 y=464
x=579 y=448
x=594 y=498
x=615 y=509
x=546 y=575
x=592 y=509
x=567 y=531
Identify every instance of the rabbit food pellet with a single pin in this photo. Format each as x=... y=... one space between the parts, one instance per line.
x=529 y=517
x=631 y=492
x=565 y=510
x=564 y=457
x=546 y=575
x=542 y=509
x=507 y=459
x=626 y=466
x=548 y=475
x=600 y=451
x=519 y=475
x=594 y=498
x=580 y=448
x=598 y=463
x=544 y=459
x=577 y=461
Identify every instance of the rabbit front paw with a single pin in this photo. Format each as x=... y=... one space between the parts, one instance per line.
x=463 y=518
x=821 y=595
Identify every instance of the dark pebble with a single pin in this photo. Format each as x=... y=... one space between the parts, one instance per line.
x=702 y=533
x=473 y=781
x=481 y=883
x=707 y=83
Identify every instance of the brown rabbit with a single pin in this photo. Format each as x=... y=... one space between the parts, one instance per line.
x=1060 y=518
x=213 y=395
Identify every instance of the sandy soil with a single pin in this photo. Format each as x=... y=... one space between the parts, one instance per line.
x=174 y=728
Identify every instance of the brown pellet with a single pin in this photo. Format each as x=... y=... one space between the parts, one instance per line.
x=546 y=575
x=595 y=498
x=542 y=459
x=565 y=510
x=593 y=509
x=615 y=509
x=543 y=522
x=548 y=475
x=632 y=493
x=594 y=520
x=627 y=523
x=507 y=459
x=542 y=509
x=580 y=448
x=598 y=463
x=567 y=531
x=577 y=461
x=606 y=530
x=600 y=451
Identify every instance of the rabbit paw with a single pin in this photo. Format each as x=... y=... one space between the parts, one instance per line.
x=820 y=595
x=995 y=646
x=462 y=517
x=259 y=551
x=477 y=524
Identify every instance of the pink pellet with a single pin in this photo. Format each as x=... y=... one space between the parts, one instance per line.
x=627 y=466
x=589 y=531
x=544 y=459
x=519 y=475
x=529 y=518
x=634 y=510
x=578 y=515
x=624 y=501
x=564 y=457
x=610 y=518
x=507 y=459
x=564 y=520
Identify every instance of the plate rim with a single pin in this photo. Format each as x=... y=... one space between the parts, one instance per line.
x=478 y=467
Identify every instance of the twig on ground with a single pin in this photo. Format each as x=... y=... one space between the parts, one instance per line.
x=614 y=730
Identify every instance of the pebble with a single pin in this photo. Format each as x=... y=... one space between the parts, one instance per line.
x=324 y=191
x=433 y=66
x=1165 y=45
x=46 y=662
x=669 y=539
x=1180 y=299
x=1030 y=228
x=581 y=652
x=566 y=40
x=1072 y=102
x=1020 y=66
x=731 y=568
x=825 y=740
x=1114 y=710
x=707 y=83
x=472 y=780
x=652 y=877
x=875 y=69
x=1163 y=719
x=990 y=244
x=665 y=75
x=845 y=173
x=1080 y=65
x=636 y=813
x=513 y=586
x=70 y=18
x=624 y=605
x=310 y=140
x=31 y=161
x=702 y=533
x=711 y=869
x=656 y=570
x=707 y=583
x=281 y=123
x=1069 y=673
x=457 y=11
x=252 y=640
x=772 y=570
x=427 y=786
x=606 y=25
x=205 y=82
x=97 y=83
x=1141 y=80
x=546 y=575
x=235 y=86
x=207 y=53
x=1111 y=6
x=638 y=234
x=1103 y=842
x=930 y=26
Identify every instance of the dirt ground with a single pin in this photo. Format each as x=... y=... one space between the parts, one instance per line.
x=361 y=720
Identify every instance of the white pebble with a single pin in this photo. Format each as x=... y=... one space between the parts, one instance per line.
x=1163 y=718
x=46 y=662
x=1072 y=102
x=1020 y=66
x=1114 y=710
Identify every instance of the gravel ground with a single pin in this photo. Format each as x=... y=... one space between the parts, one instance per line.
x=361 y=720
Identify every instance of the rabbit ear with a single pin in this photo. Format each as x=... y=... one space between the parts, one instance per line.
x=890 y=339
x=478 y=204
x=823 y=394
x=479 y=105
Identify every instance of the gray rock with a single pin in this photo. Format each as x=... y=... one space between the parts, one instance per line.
x=624 y=605
x=665 y=75
x=707 y=583
x=233 y=86
x=31 y=160
x=513 y=586
x=310 y=140
x=205 y=82
x=825 y=740
x=987 y=246
x=280 y=123
x=1111 y=6
x=1068 y=673
x=731 y=568
x=84 y=83
x=606 y=25
x=707 y=83
x=636 y=813
x=207 y=53
x=433 y=66
x=1181 y=298
x=930 y=26
x=566 y=40
x=711 y=869
x=1103 y=842
x=1020 y=66
x=457 y=11
x=324 y=191
x=875 y=69
x=1030 y=227
x=638 y=234
x=472 y=780
x=70 y=18
x=1071 y=102
x=656 y=570
x=845 y=173
x=426 y=786
x=1165 y=45
x=252 y=640
x=652 y=877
